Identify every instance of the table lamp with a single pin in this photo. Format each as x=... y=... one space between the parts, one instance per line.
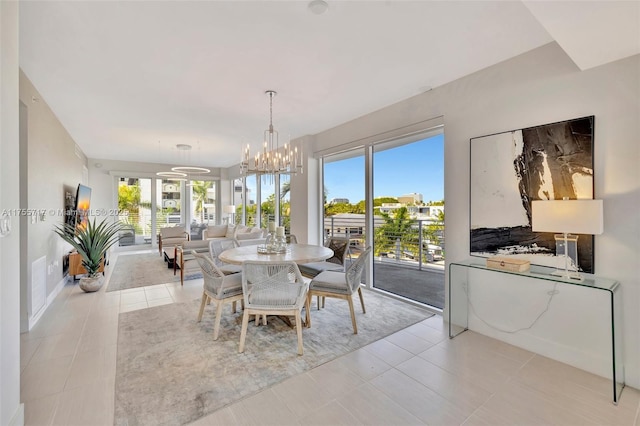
x=567 y=217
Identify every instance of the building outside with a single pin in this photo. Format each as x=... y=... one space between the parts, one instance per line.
x=413 y=198
x=339 y=201
x=415 y=212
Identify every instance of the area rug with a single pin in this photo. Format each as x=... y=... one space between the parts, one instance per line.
x=142 y=269
x=170 y=371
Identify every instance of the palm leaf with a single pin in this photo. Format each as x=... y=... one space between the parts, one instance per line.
x=91 y=241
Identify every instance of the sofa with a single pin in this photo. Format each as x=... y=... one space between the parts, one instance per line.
x=243 y=235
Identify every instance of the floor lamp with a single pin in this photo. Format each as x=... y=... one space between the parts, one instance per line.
x=230 y=210
x=568 y=217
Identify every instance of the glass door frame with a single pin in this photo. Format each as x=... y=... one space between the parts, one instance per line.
x=433 y=129
x=156 y=181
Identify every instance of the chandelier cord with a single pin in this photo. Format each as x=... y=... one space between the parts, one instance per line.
x=271 y=93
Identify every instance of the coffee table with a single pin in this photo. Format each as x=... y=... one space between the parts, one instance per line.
x=169 y=254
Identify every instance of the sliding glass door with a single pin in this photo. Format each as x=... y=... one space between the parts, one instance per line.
x=344 y=198
x=408 y=200
x=400 y=213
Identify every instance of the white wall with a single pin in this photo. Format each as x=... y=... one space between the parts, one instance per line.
x=542 y=86
x=54 y=167
x=11 y=411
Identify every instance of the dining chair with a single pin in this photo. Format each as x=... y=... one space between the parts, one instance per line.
x=272 y=288
x=340 y=247
x=219 y=288
x=341 y=285
x=218 y=246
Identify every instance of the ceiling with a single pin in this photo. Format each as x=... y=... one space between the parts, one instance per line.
x=131 y=80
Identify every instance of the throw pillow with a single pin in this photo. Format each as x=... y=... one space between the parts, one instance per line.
x=249 y=235
x=172 y=232
x=216 y=231
x=242 y=229
x=257 y=229
x=231 y=230
x=339 y=248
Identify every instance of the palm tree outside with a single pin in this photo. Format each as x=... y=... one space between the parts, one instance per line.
x=398 y=234
x=200 y=196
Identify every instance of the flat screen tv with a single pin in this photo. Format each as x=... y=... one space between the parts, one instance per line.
x=82 y=205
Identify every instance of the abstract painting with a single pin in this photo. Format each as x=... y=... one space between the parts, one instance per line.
x=511 y=169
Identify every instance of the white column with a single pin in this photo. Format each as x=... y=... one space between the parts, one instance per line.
x=305 y=198
x=11 y=411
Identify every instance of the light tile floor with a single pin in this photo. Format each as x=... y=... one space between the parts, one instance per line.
x=415 y=376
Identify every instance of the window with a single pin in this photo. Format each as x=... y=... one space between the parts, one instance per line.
x=169 y=202
x=202 y=206
x=134 y=209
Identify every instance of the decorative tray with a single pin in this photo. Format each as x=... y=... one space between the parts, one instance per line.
x=262 y=249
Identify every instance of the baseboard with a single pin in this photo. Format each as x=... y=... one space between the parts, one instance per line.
x=50 y=298
x=18 y=417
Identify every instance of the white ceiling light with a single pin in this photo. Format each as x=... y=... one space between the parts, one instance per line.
x=318 y=7
x=182 y=172
x=189 y=169
x=171 y=174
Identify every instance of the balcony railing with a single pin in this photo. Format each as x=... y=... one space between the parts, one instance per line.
x=408 y=257
x=413 y=243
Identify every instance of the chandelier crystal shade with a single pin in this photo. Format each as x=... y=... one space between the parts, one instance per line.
x=272 y=159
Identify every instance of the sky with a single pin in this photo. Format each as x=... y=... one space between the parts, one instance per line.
x=416 y=167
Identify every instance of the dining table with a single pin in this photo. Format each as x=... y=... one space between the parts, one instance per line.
x=298 y=253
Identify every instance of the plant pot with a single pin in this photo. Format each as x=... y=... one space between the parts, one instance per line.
x=91 y=284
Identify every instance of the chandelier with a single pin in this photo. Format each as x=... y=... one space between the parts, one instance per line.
x=273 y=159
x=183 y=173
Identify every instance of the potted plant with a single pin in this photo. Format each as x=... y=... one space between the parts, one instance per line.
x=91 y=241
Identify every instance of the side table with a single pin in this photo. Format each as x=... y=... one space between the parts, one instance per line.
x=461 y=274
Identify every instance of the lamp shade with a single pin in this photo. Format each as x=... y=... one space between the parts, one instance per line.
x=229 y=209
x=567 y=216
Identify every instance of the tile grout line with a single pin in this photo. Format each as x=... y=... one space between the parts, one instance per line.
x=547 y=397
x=434 y=390
x=493 y=394
x=480 y=406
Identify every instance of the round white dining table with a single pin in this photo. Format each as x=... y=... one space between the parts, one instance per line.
x=298 y=253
